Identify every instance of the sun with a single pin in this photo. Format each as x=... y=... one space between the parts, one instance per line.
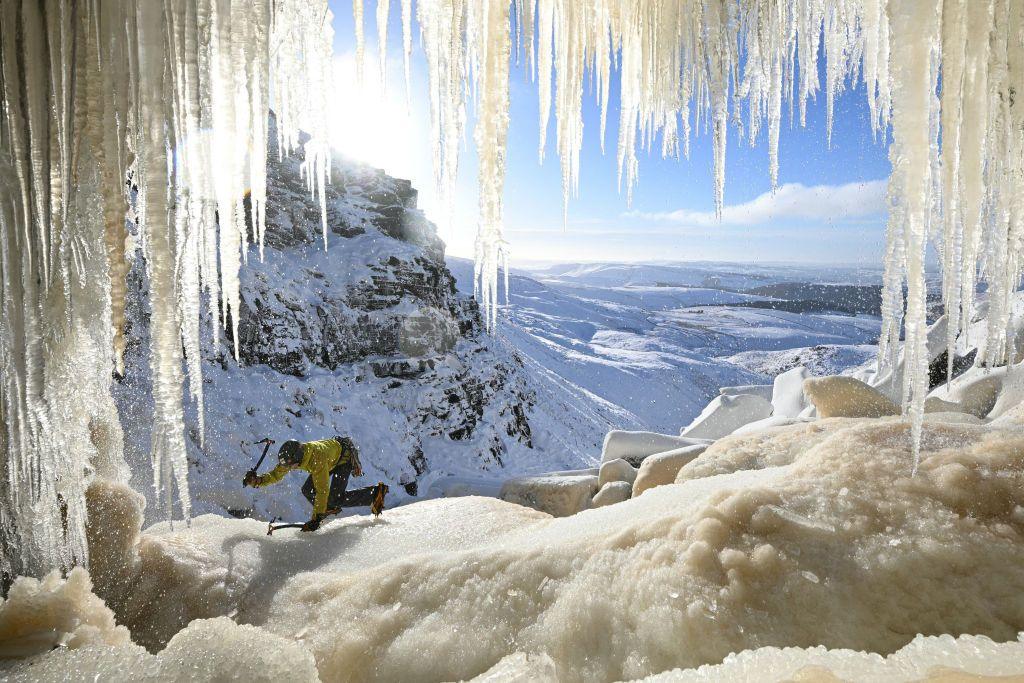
x=372 y=124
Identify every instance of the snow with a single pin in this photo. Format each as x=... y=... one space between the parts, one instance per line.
x=741 y=553
x=975 y=392
x=648 y=345
x=616 y=470
x=788 y=398
x=661 y=468
x=613 y=492
x=557 y=495
x=1011 y=393
x=633 y=447
x=840 y=396
x=762 y=390
x=726 y=414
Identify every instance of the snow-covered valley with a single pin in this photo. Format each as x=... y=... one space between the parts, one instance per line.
x=658 y=341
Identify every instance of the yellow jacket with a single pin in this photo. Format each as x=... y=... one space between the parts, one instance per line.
x=318 y=458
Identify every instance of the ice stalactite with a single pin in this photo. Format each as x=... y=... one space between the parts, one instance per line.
x=443 y=26
x=301 y=86
x=910 y=187
x=172 y=96
x=490 y=52
x=357 y=18
x=383 y=10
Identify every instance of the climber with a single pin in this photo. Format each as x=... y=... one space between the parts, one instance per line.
x=329 y=463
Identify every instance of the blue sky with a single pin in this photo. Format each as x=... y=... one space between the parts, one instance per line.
x=829 y=209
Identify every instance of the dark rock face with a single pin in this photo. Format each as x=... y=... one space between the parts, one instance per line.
x=351 y=307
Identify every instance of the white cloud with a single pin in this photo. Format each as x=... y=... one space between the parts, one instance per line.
x=832 y=203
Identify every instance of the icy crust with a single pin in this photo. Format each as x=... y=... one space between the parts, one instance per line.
x=934 y=658
x=39 y=615
x=207 y=650
x=826 y=541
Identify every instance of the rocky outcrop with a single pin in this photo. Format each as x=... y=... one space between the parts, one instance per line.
x=379 y=289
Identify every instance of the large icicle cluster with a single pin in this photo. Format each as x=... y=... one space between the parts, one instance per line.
x=944 y=76
x=159 y=107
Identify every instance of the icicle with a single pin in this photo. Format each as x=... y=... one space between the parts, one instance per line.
x=383 y=8
x=175 y=93
x=911 y=184
x=490 y=49
x=407 y=48
x=357 y=18
x=443 y=24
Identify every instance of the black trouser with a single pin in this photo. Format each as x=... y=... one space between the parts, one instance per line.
x=339 y=497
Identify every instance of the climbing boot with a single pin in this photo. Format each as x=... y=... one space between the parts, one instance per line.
x=377 y=506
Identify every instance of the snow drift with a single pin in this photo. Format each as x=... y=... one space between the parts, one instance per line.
x=823 y=539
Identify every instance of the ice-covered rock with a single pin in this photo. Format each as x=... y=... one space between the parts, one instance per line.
x=662 y=468
x=40 y=615
x=559 y=496
x=207 y=650
x=975 y=392
x=616 y=470
x=633 y=447
x=613 y=492
x=926 y=658
x=934 y=404
x=788 y=398
x=769 y=422
x=762 y=390
x=1011 y=392
x=726 y=414
x=840 y=396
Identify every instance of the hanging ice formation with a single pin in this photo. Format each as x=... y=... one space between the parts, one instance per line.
x=177 y=92
x=944 y=76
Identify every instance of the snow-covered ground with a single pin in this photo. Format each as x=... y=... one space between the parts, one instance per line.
x=658 y=341
x=784 y=538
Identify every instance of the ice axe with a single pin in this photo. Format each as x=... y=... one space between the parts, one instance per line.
x=271 y=527
x=268 y=443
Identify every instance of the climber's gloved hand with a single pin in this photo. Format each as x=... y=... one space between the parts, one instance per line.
x=312 y=525
x=250 y=479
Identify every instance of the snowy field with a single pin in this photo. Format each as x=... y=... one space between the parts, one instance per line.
x=658 y=341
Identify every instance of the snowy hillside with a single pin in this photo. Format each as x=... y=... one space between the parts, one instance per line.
x=658 y=341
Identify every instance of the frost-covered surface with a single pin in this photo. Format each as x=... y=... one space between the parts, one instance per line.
x=803 y=545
